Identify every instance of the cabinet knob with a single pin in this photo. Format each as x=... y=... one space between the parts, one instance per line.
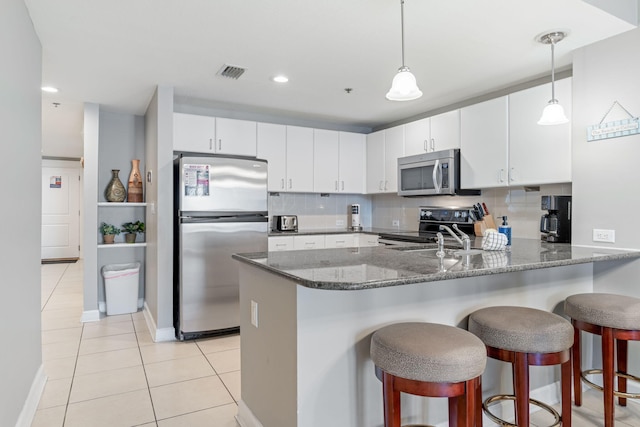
x=342 y=185
x=501 y=175
x=282 y=184
x=210 y=143
x=433 y=144
x=290 y=184
x=220 y=144
x=336 y=186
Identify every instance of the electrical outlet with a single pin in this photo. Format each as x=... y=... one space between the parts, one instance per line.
x=395 y=223
x=607 y=236
x=254 y=313
x=339 y=223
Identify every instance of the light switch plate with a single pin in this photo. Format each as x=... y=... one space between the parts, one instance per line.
x=395 y=223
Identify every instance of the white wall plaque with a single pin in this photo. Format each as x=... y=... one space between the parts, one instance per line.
x=613 y=129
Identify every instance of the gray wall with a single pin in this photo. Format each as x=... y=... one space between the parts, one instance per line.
x=20 y=133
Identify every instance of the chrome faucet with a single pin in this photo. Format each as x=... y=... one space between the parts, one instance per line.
x=464 y=241
x=440 y=252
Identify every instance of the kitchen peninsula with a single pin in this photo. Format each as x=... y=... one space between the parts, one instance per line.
x=307 y=318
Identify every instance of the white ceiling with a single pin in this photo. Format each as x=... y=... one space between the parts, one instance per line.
x=115 y=52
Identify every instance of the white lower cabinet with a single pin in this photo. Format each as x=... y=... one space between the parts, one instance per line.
x=308 y=242
x=340 y=241
x=280 y=243
x=365 y=240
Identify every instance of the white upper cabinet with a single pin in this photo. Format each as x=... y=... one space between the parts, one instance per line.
x=272 y=146
x=326 y=154
x=539 y=154
x=235 y=137
x=445 y=131
x=484 y=139
x=375 y=162
x=194 y=133
x=352 y=162
x=393 y=149
x=383 y=149
x=299 y=159
x=205 y=134
x=440 y=132
x=417 y=137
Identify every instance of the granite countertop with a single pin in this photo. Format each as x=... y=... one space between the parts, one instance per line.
x=314 y=231
x=381 y=266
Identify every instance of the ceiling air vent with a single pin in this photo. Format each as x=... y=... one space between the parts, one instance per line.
x=231 y=71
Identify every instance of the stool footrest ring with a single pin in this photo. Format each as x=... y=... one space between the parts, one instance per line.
x=490 y=401
x=617 y=393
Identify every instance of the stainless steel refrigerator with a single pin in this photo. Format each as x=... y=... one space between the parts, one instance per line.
x=221 y=209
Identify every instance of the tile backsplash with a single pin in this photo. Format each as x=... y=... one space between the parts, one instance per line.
x=520 y=204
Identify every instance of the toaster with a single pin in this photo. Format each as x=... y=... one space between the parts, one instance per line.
x=285 y=223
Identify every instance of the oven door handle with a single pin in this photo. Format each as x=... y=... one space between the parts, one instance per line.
x=437 y=172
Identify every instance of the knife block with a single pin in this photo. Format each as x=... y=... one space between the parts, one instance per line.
x=479 y=227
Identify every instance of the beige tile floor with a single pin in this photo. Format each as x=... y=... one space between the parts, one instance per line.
x=110 y=373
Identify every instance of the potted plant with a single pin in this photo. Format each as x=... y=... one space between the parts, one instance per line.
x=132 y=228
x=109 y=232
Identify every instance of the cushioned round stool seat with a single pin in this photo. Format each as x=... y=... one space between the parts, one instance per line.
x=430 y=360
x=521 y=329
x=616 y=318
x=609 y=310
x=428 y=352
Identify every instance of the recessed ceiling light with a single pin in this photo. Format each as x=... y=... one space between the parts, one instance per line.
x=281 y=79
x=49 y=89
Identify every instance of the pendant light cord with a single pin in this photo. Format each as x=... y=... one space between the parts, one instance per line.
x=402 y=27
x=553 y=70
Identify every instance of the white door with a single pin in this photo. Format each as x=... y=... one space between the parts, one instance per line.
x=60 y=212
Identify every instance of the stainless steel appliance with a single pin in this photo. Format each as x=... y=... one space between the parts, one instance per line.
x=285 y=223
x=555 y=225
x=430 y=219
x=356 y=223
x=221 y=209
x=431 y=174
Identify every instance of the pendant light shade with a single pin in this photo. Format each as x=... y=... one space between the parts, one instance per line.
x=404 y=86
x=553 y=113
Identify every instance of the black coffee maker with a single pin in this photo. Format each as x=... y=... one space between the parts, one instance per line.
x=555 y=225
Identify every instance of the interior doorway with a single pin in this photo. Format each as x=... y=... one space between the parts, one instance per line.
x=61 y=213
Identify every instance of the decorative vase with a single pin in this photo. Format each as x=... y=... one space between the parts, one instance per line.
x=115 y=191
x=134 y=191
x=108 y=238
x=130 y=237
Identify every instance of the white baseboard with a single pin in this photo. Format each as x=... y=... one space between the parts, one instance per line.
x=33 y=399
x=90 y=316
x=157 y=335
x=245 y=417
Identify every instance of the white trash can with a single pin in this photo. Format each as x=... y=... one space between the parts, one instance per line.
x=121 y=287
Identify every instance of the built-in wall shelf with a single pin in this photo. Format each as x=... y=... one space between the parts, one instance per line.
x=122 y=204
x=123 y=245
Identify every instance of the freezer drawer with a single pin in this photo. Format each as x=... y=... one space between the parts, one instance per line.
x=208 y=287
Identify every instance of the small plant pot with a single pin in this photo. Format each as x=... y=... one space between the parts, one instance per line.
x=108 y=239
x=130 y=237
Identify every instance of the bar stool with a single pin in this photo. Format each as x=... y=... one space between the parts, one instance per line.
x=617 y=319
x=526 y=337
x=429 y=359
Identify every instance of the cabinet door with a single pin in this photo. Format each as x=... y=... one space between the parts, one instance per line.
x=235 y=137
x=272 y=146
x=194 y=133
x=365 y=240
x=484 y=144
x=280 y=243
x=539 y=154
x=352 y=160
x=417 y=137
x=299 y=159
x=445 y=131
x=340 y=241
x=308 y=242
x=375 y=162
x=393 y=148
x=325 y=161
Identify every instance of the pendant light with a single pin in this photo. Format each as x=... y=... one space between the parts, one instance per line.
x=404 y=86
x=553 y=113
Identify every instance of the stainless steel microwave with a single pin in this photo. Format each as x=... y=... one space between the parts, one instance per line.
x=431 y=174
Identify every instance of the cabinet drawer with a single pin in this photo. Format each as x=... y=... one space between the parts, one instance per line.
x=280 y=243
x=340 y=241
x=308 y=242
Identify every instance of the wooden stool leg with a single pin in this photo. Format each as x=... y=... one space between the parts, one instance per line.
x=470 y=394
x=576 y=353
x=522 y=389
x=456 y=411
x=622 y=367
x=565 y=384
x=391 y=402
x=608 y=375
x=478 y=403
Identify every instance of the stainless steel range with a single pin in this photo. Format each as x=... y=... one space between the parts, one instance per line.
x=430 y=220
